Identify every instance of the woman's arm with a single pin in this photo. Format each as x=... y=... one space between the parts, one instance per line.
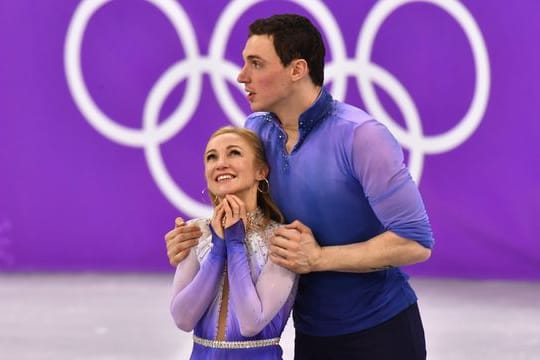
x=255 y=304
x=195 y=285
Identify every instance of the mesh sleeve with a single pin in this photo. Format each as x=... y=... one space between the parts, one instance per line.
x=195 y=285
x=396 y=201
x=256 y=304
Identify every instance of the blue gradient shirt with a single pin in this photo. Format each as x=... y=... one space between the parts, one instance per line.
x=346 y=180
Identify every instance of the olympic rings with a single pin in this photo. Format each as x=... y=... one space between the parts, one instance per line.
x=195 y=65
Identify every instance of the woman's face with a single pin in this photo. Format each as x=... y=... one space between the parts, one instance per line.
x=230 y=168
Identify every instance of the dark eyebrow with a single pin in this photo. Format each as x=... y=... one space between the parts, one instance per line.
x=254 y=57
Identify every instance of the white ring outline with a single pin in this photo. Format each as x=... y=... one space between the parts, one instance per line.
x=152 y=152
x=457 y=135
x=99 y=120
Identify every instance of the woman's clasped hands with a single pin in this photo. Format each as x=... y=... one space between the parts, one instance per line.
x=227 y=213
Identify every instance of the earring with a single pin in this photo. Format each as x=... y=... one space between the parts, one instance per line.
x=205 y=194
x=261 y=188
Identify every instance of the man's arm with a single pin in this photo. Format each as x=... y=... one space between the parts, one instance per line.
x=295 y=248
x=180 y=240
x=377 y=164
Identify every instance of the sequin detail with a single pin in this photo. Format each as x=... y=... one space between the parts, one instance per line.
x=247 y=344
x=256 y=241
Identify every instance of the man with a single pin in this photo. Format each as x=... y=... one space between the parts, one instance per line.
x=355 y=213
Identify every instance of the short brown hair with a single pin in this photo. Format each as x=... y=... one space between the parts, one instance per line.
x=294 y=37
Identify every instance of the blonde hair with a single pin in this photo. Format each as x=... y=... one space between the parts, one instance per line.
x=264 y=199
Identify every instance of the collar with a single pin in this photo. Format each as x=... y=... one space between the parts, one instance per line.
x=312 y=116
x=315 y=113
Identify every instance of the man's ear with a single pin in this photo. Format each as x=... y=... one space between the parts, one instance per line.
x=299 y=69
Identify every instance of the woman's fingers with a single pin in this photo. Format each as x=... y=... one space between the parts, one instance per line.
x=238 y=208
x=218 y=219
x=235 y=210
x=228 y=212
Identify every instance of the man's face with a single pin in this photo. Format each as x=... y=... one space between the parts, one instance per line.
x=266 y=81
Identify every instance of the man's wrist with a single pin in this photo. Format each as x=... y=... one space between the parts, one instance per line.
x=321 y=261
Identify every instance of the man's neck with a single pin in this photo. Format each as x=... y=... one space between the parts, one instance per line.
x=297 y=106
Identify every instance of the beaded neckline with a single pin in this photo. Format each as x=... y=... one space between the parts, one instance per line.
x=255 y=220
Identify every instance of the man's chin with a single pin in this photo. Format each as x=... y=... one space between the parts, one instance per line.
x=256 y=107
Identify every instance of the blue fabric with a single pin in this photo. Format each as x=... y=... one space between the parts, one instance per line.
x=346 y=180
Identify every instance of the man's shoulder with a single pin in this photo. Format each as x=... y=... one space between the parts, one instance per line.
x=350 y=114
x=257 y=120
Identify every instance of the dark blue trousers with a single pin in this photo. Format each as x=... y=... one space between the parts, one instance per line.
x=400 y=338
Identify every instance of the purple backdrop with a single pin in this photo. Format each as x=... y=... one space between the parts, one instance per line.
x=105 y=107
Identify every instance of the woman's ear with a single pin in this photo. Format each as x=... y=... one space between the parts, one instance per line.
x=262 y=173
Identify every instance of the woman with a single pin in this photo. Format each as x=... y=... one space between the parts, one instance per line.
x=235 y=300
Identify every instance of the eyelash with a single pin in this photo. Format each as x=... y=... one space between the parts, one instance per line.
x=231 y=153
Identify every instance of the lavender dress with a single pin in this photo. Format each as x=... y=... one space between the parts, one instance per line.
x=261 y=294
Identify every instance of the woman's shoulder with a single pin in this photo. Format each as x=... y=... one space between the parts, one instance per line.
x=200 y=222
x=271 y=227
x=205 y=241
